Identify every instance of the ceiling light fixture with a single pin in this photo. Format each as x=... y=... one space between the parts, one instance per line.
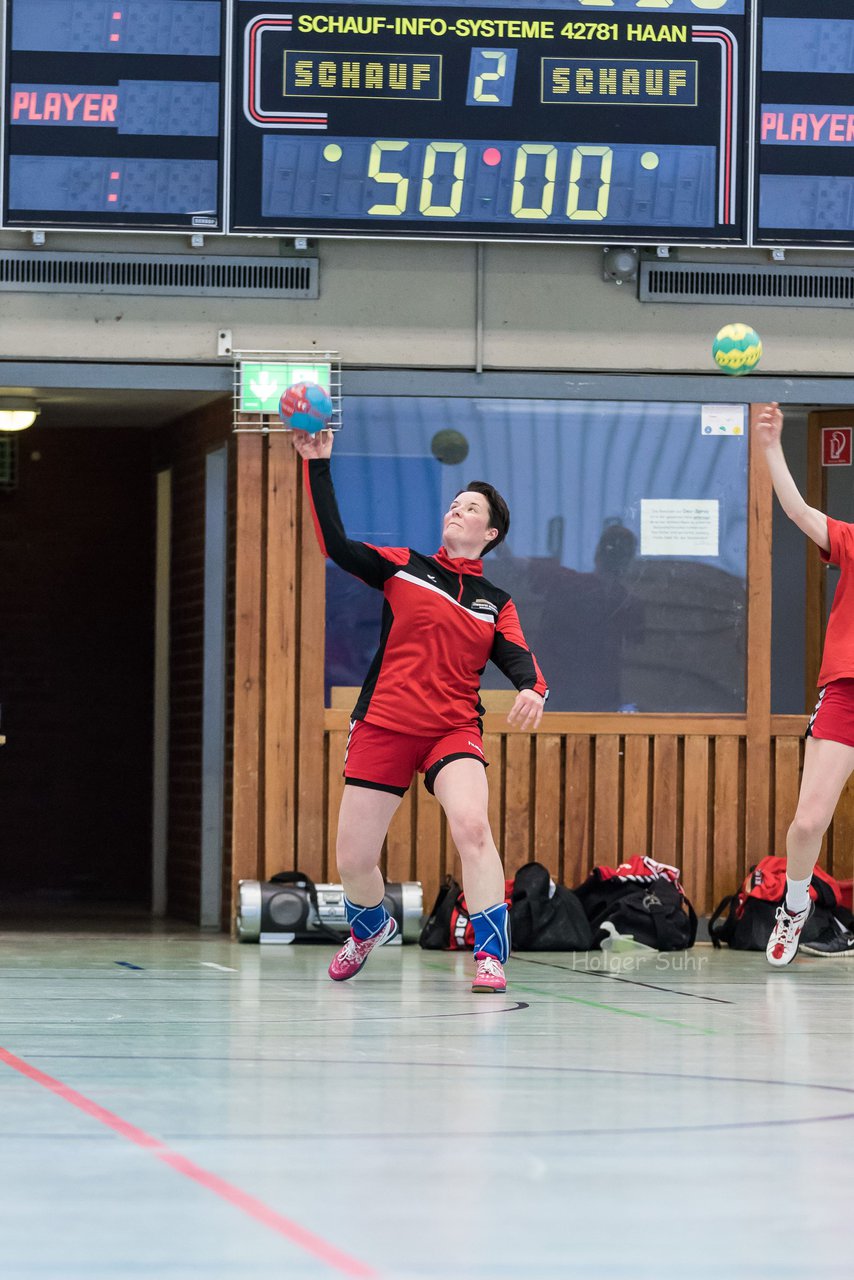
x=17 y=415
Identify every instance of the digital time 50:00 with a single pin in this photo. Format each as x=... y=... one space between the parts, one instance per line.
x=485 y=181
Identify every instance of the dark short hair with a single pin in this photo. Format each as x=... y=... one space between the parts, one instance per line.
x=499 y=512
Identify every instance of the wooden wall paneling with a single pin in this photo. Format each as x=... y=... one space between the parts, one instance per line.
x=493 y=746
x=636 y=815
x=816 y=496
x=787 y=776
x=577 y=809
x=336 y=745
x=758 y=710
x=399 y=841
x=695 y=822
x=311 y=578
x=547 y=801
x=428 y=844
x=757 y=796
x=281 y=659
x=518 y=801
x=246 y=863
x=838 y=850
x=665 y=799
x=727 y=864
x=596 y=722
x=606 y=805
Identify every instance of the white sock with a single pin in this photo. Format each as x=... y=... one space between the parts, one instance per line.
x=797 y=894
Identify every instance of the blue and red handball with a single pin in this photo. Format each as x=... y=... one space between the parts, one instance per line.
x=305 y=407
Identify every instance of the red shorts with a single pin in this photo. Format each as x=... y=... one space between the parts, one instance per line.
x=388 y=761
x=833 y=717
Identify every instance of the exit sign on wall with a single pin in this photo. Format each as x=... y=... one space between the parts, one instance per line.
x=262 y=383
x=836 y=446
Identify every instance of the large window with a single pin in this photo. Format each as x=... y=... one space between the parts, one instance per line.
x=626 y=555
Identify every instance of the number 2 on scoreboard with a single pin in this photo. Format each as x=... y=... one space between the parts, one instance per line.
x=492 y=73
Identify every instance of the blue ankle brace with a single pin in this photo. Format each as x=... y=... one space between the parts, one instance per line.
x=492 y=931
x=365 y=921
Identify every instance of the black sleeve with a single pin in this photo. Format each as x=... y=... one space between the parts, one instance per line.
x=511 y=654
x=374 y=565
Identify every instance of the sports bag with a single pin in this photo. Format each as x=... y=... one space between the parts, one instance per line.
x=448 y=926
x=545 y=916
x=642 y=898
x=750 y=912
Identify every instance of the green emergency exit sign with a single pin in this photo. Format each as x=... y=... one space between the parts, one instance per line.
x=263 y=382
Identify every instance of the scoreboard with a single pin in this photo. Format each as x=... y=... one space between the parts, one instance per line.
x=805 y=175
x=547 y=123
x=114 y=114
x=599 y=121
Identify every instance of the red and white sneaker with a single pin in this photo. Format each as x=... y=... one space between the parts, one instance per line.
x=355 y=952
x=489 y=976
x=786 y=935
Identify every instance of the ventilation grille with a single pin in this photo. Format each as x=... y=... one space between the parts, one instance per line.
x=8 y=463
x=162 y=275
x=778 y=286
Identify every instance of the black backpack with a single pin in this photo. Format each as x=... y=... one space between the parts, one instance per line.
x=652 y=909
x=545 y=916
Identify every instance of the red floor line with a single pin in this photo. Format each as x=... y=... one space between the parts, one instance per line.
x=241 y=1200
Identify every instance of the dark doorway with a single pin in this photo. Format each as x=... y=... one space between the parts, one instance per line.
x=76 y=633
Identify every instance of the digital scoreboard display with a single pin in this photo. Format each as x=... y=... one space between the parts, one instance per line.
x=805 y=171
x=113 y=114
x=602 y=121
x=615 y=120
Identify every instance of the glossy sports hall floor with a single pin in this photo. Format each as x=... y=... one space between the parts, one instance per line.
x=175 y=1105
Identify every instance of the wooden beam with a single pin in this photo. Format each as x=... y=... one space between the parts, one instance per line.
x=281 y=658
x=594 y=722
x=311 y=854
x=758 y=709
x=246 y=861
x=816 y=594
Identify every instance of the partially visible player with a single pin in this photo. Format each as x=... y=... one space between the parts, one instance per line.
x=419 y=708
x=829 y=750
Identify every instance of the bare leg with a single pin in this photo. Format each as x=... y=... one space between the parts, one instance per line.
x=363 y=821
x=462 y=790
x=827 y=768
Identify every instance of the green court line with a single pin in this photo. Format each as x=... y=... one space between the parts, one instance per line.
x=612 y=1008
x=592 y=1004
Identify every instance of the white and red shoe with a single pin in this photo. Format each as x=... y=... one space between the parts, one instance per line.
x=786 y=935
x=489 y=975
x=355 y=952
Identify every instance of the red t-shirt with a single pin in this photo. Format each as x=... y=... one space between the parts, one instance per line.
x=837 y=661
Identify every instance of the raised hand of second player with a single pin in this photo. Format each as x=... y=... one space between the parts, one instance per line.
x=768 y=425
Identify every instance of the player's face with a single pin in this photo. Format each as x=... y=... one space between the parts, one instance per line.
x=466 y=524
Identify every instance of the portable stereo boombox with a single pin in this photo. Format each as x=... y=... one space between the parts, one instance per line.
x=291 y=907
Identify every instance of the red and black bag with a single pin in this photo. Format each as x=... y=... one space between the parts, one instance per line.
x=750 y=912
x=642 y=898
x=543 y=916
x=448 y=926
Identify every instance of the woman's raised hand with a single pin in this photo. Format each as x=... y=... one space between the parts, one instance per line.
x=318 y=445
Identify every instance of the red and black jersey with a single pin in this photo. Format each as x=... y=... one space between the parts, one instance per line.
x=442 y=622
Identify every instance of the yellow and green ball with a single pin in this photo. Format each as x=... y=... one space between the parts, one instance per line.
x=737 y=349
